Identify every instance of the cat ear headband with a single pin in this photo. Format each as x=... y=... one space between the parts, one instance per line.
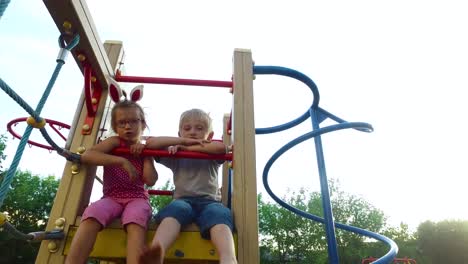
x=117 y=94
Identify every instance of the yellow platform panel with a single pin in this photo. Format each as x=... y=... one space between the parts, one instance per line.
x=111 y=244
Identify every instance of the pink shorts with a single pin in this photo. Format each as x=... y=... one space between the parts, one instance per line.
x=130 y=210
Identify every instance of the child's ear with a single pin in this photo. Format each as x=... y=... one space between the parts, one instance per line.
x=210 y=135
x=137 y=93
x=115 y=92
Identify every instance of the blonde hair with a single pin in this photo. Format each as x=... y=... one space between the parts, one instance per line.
x=196 y=114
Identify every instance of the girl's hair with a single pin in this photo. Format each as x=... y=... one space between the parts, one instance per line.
x=126 y=104
x=196 y=114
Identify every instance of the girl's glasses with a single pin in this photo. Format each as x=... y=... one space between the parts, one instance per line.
x=131 y=122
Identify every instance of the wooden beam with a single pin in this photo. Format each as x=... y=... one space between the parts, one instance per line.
x=77 y=14
x=244 y=199
x=225 y=181
x=77 y=180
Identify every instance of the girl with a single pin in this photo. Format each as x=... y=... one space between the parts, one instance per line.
x=124 y=180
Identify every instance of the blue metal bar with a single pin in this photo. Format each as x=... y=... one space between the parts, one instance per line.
x=318 y=115
x=326 y=203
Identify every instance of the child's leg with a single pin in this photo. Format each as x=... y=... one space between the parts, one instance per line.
x=167 y=232
x=215 y=222
x=174 y=216
x=83 y=241
x=135 y=242
x=96 y=215
x=135 y=218
x=221 y=237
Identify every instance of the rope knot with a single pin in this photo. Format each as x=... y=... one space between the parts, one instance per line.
x=32 y=122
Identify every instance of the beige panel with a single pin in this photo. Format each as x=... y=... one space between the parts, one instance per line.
x=244 y=177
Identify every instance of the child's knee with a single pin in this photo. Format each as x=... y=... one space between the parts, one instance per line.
x=179 y=210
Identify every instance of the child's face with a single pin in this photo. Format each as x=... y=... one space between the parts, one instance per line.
x=193 y=128
x=129 y=124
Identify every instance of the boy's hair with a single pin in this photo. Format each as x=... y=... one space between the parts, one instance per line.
x=126 y=104
x=196 y=114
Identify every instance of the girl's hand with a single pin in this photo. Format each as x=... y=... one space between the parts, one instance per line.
x=137 y=148
x=173 y=149
x=130 y=169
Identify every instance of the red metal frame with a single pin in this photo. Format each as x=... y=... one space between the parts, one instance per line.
x=160 y=192
x=91 y=91
x=174 y=81
x=55 y=125
x=179 y=154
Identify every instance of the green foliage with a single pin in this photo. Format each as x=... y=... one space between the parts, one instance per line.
x=354 y=211
x=288 y=238
x=2 y=149
x=28 y=204
x=158 y=202
x=444 y=242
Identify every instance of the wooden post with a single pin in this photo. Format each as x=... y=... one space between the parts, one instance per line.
x=244 y=199
x=77 y=180
x=225 y=183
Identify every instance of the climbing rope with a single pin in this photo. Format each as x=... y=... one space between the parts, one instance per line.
x=33 y=236
x=36 y=121
x=3 y=6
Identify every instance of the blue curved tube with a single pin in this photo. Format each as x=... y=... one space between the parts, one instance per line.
x=356 y=125
x=298 y=76
x=317 y=115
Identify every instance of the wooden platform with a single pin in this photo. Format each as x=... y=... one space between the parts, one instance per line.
x=112 y=241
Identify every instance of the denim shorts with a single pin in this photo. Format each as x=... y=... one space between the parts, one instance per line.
x=205 y=212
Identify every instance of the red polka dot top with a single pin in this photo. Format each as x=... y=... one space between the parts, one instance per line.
x=117 y=183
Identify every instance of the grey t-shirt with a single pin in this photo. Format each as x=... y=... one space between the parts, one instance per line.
x=194 y=177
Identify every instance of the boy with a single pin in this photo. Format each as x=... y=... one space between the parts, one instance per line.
x=195 y=197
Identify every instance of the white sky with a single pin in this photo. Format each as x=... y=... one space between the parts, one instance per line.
x=400 y=66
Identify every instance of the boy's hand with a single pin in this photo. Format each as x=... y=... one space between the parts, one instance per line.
x=194 y=141
x=136 y=149
x=130 y=169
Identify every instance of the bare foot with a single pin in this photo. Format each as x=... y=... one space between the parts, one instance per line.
x=153 y=255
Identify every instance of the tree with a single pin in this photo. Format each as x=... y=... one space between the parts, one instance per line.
x=2 y=149
x=28 y=204
x=444 y=242
x=354 y=211
x=160 y=201
x=289 y=238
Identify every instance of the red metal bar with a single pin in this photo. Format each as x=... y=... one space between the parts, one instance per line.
x=159 y=80
x=179 y=154
x=87 y=88
x=48 y=121
x=58 y=132
x=160 y=192
x=96 y=95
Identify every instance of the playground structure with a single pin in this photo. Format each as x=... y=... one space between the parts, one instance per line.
x=404 y=260
x=98 y=61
